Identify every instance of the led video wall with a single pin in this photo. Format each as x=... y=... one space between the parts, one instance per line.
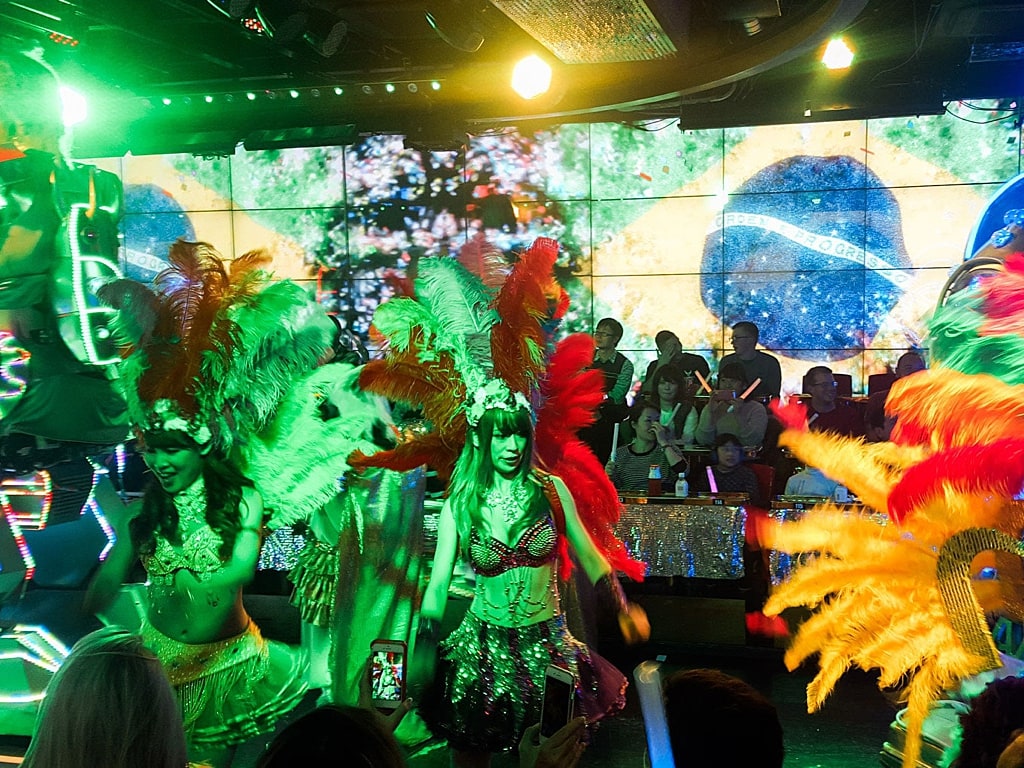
x=835 y=238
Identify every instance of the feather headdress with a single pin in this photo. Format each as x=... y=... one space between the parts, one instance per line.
x=893 y=590
x=234 y=360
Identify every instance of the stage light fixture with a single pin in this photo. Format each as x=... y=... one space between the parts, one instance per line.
x=838 y=54
x=531 y=77
x=324 y=32
x=413 y=88
x=284 y=21
x=338 y=90
x=166 y=101
x=293 y=93
x=389 y=87
x=208 y=99
x=250 y=96
x=435 y=85
x=74 y=107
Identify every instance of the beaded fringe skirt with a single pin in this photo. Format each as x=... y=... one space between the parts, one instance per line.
x=491 y=679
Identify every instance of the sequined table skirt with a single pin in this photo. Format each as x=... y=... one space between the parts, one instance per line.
x=692 y=537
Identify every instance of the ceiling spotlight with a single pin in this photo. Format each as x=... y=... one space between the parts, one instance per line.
x=208 y=99
x=166 y=101
x=838 y=54
x=412 y=87
x=367 y=89
x=293 y=93
x=250 y=96
x=284 y=21
x=531 y=77
x=338 y=90
x=390 y=87
x=435 y=86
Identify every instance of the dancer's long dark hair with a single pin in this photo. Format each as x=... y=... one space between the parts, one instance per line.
x=159 y=517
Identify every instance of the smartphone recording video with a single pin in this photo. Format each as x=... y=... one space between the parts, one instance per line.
x=387 y=673
x=559 y=700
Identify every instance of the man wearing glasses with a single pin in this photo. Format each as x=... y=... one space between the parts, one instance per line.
x=826 y=412
x=756 y=363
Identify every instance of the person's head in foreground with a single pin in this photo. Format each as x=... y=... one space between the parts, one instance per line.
x=717 y=720
x=993 y=729
x=334 y=735
x=110 y=704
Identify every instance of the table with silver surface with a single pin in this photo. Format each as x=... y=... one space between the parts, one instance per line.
x=692 y=537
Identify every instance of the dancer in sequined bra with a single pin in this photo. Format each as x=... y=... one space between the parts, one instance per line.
x=506 y=516
x=197 y=532
x=472 y=347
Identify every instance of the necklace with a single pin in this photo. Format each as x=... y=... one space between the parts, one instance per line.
x=510 y=501
x=191 y=505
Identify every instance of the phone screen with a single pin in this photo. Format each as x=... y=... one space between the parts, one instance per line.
x=387 y=674
x=557 y=706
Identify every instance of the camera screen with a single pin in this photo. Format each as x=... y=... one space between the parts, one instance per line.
x=555 y=711
x=387 y=674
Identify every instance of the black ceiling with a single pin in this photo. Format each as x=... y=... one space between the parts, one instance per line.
x=133 y=55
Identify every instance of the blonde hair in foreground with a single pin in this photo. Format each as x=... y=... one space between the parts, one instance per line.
x=110 y=704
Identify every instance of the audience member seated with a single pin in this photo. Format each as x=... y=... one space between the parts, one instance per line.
x=651 y=444
x=677 y=410
x=726 y=413
x=110 y=704
x=756 y=364
x=826 y=412
x=716 y=720
x=993 y=729
x=335 y=735
x=810 y=481
x=618 y=377
x=731 y=474
x=877 y=425
x=670 y=352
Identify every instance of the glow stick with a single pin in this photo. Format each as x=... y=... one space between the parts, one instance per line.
x=711 y=481
x=652 y=706
x=615 y=440
x=811 y=420
x=703 y=382
x=750 y=389
x=672 y=415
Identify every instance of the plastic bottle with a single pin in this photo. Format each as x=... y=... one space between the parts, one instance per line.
x=682 y=487
x=654 y=480
x=841 y=494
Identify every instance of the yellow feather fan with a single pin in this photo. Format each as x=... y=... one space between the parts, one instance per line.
x=897 y=597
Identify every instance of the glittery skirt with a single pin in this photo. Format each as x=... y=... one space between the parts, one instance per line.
x=491 y=679
x=229 y=690
x=315 y=577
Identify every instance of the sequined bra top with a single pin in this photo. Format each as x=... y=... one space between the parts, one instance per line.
x=490 y=557
x=199 y=553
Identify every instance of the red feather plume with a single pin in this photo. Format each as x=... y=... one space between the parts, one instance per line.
x=996 y=468
x=438 y=390
x=517 y=340
x=570 y=393
x=793 y=414
x=1004 y=299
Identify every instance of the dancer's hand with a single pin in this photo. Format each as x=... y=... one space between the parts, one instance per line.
x=634 y=625
x=562 y=750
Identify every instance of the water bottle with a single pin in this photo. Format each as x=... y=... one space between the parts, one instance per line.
x=841 y=495
x=682 y=487
x=654 y=480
